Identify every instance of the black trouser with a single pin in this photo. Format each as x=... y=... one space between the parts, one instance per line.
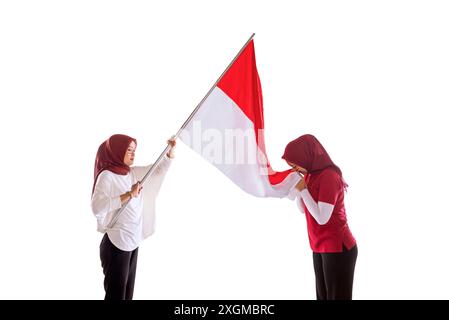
x=334 y=274
x=119 y=268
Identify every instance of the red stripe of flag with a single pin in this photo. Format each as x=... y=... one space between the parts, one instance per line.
x=241 y=83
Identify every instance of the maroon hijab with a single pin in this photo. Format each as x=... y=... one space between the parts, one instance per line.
x=110 y=156
x=307 y=152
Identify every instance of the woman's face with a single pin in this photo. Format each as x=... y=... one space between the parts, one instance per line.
x=129 y=155
x=297 y=168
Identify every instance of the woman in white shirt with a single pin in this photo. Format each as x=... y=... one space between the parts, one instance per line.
x=116 y=182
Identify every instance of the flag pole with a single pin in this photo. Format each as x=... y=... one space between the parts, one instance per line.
x=159 y=159
x=212 y=88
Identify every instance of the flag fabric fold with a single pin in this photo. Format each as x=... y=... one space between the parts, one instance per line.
x=228 y=131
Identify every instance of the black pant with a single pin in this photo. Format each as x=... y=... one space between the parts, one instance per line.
x=334 y=274
x=119 y=268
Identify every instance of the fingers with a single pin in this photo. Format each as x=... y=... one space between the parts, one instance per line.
x=137 y=186
x=172 y=141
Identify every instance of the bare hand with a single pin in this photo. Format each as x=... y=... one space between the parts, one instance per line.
x=172 y=143
x=135 y=190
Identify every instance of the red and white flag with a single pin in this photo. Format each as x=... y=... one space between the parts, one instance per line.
x=228 y=130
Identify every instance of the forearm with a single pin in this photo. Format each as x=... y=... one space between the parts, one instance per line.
x=163 y=165
x=125 y=197
x=310 y=204
x=320 y=211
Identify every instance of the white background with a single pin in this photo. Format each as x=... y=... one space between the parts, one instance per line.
x=369 y=78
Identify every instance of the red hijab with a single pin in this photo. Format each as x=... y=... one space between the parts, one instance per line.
x=307 y=152
x=110 y=156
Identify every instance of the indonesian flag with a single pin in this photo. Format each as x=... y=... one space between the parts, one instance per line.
x=228 y=131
